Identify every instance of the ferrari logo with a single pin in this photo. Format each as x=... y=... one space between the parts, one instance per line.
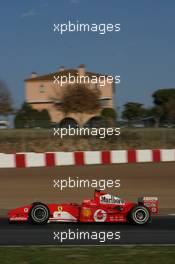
x=86 y=212
x=60 y=208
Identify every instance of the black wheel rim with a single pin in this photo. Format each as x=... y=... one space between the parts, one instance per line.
x=40 y=214
x=140 y=215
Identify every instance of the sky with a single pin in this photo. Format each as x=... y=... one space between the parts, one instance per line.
x=142 y=53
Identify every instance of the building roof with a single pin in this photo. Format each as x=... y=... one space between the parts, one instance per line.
x=50 y=76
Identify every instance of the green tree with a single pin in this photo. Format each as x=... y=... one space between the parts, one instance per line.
x=164 y=99
x=27 y=117
x=44 y=119
x=157 y=113
x=163 y=96
x=5 y=100
x=133 y=111
x=23 y=116
x=170 y=109
x=110 y=115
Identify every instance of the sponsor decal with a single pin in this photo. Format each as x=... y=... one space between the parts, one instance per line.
x=100 y=215
x=110 y=199
x=60 y=208
x=86 y=212
x=150 y=198
x=18 y=218
x=153 y=210
x=61 y=215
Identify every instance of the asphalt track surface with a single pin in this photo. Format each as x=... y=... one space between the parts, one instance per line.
x=160 y=231
x=23 y=186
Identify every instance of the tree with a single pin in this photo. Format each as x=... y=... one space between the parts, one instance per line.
x=27 y=117
x=163 y=96
x=79 y=99
x=44 y=118
x=164 y=99
x=133 y=111
x=5 y=100
x=110 y=115
x=20 y=120
x=170 y=108
x=157 y=113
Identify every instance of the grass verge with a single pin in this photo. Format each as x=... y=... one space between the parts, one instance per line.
x=34 y=140
x=83 y=255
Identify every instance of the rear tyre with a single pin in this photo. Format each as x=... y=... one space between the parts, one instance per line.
x=139 y=215
x=39 y=214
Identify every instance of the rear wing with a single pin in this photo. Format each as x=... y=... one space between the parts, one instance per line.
x=150 y=202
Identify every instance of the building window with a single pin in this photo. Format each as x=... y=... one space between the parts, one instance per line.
x=104 y=102
x=42 y=88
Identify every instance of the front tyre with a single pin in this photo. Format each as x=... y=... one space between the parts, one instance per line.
x=139 y=215
x=39 y=214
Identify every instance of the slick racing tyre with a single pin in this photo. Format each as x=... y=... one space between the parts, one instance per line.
x=139 y=215
x=39 y=214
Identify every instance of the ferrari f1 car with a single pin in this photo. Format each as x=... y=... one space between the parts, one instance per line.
x=102 y=208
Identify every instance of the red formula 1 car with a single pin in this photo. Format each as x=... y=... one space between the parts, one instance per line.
x=102 y=208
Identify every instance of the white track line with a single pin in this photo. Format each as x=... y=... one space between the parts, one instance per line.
x=171 y=214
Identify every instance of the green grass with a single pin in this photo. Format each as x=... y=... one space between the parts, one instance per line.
x=34 y=140
x=83 y=255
